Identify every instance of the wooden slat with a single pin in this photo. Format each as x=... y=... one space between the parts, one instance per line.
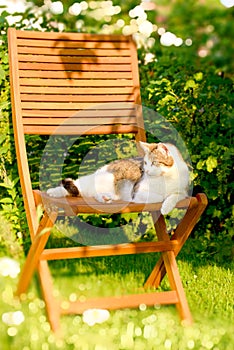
x=71 y=36
x=81 y=130
x=28 y=53
x=74 y=98
x=74 y=75
x=90 y=205
x=79 y=121
x=75 y=90
x=123 y=301
x=59 y=106
x=78 y=58
x=74 y=102
x=32 y=45
x=107 y=250
x=75 y=67
x=74 y=82
x=91 y=106
x=81 y=114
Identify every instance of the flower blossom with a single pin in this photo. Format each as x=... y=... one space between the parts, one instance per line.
x=9 y=267
x=149 y=57
x=93 y=316
x=13 y=318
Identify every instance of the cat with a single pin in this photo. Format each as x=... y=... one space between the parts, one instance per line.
x=160 y=176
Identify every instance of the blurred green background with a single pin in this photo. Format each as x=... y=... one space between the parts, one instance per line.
x=185 y=53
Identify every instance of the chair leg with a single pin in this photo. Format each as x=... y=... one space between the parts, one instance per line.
x=35 y=251
x=176 y=284
x=159 y=271
x=170 y=267
x=181 y=234
x=51 y=304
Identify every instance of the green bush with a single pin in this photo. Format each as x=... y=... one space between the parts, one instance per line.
x=9 y=242
x=11 y=204
x=197 y=101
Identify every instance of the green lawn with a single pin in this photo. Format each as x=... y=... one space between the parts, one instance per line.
x=209 y=289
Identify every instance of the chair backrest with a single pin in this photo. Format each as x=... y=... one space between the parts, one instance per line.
x=75 y=81
x=71 y=83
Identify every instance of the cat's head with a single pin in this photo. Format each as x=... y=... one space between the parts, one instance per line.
x=157 y=158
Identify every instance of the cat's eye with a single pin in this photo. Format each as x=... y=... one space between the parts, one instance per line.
x=155 y=163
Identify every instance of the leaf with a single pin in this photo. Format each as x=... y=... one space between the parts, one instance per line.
x=4 y=149
x=15 y=181
x=2 y=138
x=211 y=163
x=200 y=164
x=198 y=76
x=5 y=59
x=5 y=185
x=6 y=200
x=217 y=213
x=190 y=84
x=2 y=74
x=167 y=99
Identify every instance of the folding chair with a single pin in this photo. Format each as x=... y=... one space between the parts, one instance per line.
x=53 y=77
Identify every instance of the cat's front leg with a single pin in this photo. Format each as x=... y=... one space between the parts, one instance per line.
x=57 y=192
x=171 y=201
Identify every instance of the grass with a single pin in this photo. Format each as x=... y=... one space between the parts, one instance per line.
x=208 y=286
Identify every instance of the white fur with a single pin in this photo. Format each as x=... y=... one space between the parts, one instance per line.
x=58 y=191
x=164 y=184
x=99 y=185
x=158 y=184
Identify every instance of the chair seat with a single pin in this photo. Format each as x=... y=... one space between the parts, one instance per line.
x=77 y=205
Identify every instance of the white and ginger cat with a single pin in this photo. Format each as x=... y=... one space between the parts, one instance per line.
x=160 y=176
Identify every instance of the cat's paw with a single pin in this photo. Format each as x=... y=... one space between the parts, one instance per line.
x=171 y=201
x=57 y=192
x=167 y=207
x=104 y=197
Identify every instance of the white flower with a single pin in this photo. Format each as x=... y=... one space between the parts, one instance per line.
x=75 y=9
x=93 y=316
x=138 y=11
x=13 y=19
x=178 y=42
x=146 y=28
x=13 y=6
x=168 y=39
x=227 y=3
x=149 y=57
x=9 y=267
x=13 y=318
x=56 y=7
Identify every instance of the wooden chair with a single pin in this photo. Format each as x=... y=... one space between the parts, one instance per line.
x=53 y=76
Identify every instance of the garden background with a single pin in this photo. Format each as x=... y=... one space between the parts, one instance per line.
x=186 y=72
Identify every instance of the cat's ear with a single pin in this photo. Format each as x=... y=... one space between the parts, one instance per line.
x=164 y=155
x=145 y=147
x=163 y=148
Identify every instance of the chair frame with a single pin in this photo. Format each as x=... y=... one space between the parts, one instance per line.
x=29 y=53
